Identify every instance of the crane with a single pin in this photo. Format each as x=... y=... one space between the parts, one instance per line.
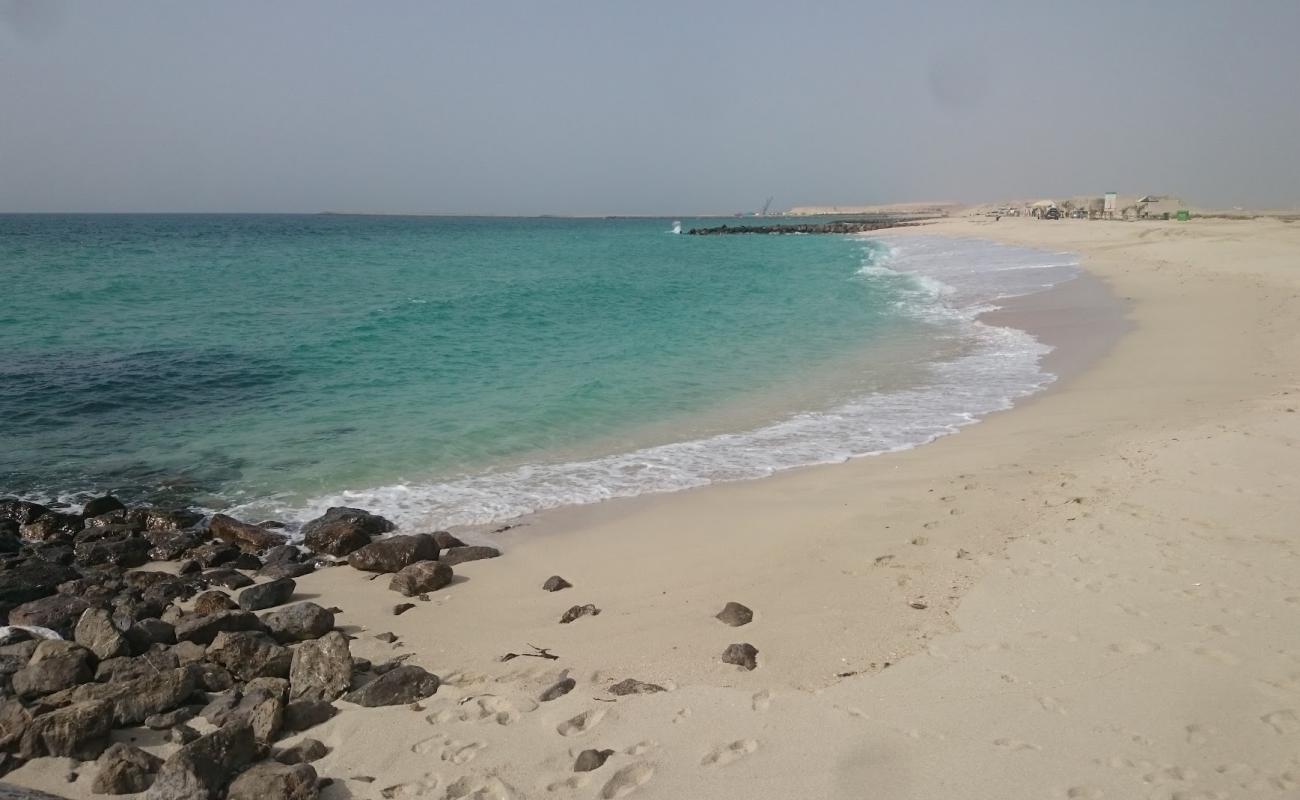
x=766 y=205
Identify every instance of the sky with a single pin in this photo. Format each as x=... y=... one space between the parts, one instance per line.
x=660 y=107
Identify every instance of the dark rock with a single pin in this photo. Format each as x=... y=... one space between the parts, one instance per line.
x=187 y=567
x=31 y=580
x=577 y=612
x=242 y=534
x=299 y=622
x=163 y=593
x=321 y=669
x=342 y=530
x=227 y=578
x=20 y=511
x=360 y=664
x=102 y=505
x=459 y=555
x=55 y=665
x=559 y=689
x=79 y=731
x=247 y=561
x=272 y=781
x=147 y=664
x=265 y=595
x=264 y=713
x=287 y=569
x=420 y=577
x=171 y=545
x=150 y=631
x=304 y=752
x=163 y=520
x=742 y=655
x=735 y=615
x=134 y=700
x=204 y=629
x=446 y=541
x=402 y=608
x=300 y=715
x=406 y=684
x=58 y=612
x=250 y=654
x=50 y=526
x=276 y=687
x=280 y=554
x=9 y=539
x=189 y=652
x=634 y=686
x=108 y=518
x=394 y=553
x=96 y=633
x=387 y=637
x=169 y=719
x=555 y=583
x=120 y=549
x=144 y=579
x=589 y=760
x=220 y=707
x=214 y=553
x=125 y=769
x=14 y=719
x=200 y=769
x=181 y=735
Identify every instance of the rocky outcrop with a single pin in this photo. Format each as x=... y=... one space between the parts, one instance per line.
x=79 y=731
x=273 y=781
x=340 y=530
x=96 y=633
x=54 y=666
x=266 y=595
x=250 y=654
x=421 y=577
x=399 y=686
x=205 y=628
x=299 y=622
x=321 y=669
x=394 y=553
x=125 y=769
x=459 y=555
x=242 y=534
x=202 y=768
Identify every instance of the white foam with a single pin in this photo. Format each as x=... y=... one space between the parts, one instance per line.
x=944 y=279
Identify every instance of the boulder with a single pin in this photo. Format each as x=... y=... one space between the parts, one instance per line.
x=58 y=612
x=163 y=520
x=300 y=715
x=148 y=632
x=55 y=666
x=147 y=664
x=341 y=530
x=79 y=731
x=169 y=719
x=96 y=633
x=287 y=569
x=200 y=770
x=742 y=655
x=20 y=511
x=735 y=615
x=265 y=595
x=242 y=534
x=14 y=719
x=203 y=629
x=399 y=686
x=634 y=686
x=228 y=578
x=459 y=555
x=421 y=577
x=169 y=545
x=119 y=548
x=102 y=505
x=273 y=781
x=299 y=622
x=134 y=700
x=250 y=654
x=261 y=709
x=321 y=669
x=51 y=526
x=446 y=541
x=394 y=553
x=304 y=752
x=555 y=583
x=213 y=553
x=32 y=579
x=125 y=769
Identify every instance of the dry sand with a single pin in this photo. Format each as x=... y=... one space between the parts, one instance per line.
x=1122 y=622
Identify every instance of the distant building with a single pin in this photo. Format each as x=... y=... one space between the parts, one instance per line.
x=1159 y=206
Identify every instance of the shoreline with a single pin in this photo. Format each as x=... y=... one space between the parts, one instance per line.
x=1092 y=596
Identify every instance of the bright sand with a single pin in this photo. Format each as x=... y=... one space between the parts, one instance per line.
x=1122 y=624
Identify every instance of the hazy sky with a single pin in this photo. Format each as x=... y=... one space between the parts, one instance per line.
x=640 y=107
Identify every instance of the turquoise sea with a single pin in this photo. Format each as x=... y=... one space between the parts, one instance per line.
x=461 y=370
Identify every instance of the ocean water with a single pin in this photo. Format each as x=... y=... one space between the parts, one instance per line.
x=450 y=371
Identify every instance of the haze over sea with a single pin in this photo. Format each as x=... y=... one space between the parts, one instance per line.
x=465 y=370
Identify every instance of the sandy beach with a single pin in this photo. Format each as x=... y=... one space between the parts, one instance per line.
x=1092 y=595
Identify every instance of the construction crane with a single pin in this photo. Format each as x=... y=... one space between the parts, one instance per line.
x=766 y=205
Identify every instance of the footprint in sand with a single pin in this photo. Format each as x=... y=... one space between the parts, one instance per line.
x=1284 y=721
x=581 y=723
x=1084 y=793
x=761 y=701
x=480 y=787
x=412 y=790
x=498 y=709
x=1050 y=703
x=627 y=780
x=682 y=715
x=729 y=753
x=1218 y=656
x=1198 y=734
x=641 y=748
x=570 y=783
x=1015 y=745
x=1134 y=647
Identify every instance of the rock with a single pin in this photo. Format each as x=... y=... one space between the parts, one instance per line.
x=58 y=612
x=31 y=580
x=577 y=612
x=102 y=505
x=265 y=595
x=228 y=578
x=96 y=633
x=149 y=663
x=14 y=719
x=272 y=781
x=181 y=735
x=459 y=555
x=55 y=666
x=304 y=752
x=125 y=769
x=246 y=561
x=445 y=540
x=287 y=569
x=402 y=608
x=300 y=715
x=79 y=731
x=242 y=534
x=20 y=511
x=221 y=706
x=321 y=669
x=169 y=719
x=214 y=553
x=387 y=637
x=189 y=652
x=212 y=601
x=558 y=689
x=200 y=769
x=634 y=686
x=250 y=654
x=282 y=553
x=421 y=577
x=148 y=632
x=742 y=655
x=589 y=760
x=132 y=701
x=342 y=530
x=170 y=545
x=394 y=553
x=276 y=687
x=405 y=684
x=299 y=622
x=204 y=629
x=119 y=548
x=555 y=583
x=735 y=615
x=264 y=713
x=164 y=520
x=51 y=526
